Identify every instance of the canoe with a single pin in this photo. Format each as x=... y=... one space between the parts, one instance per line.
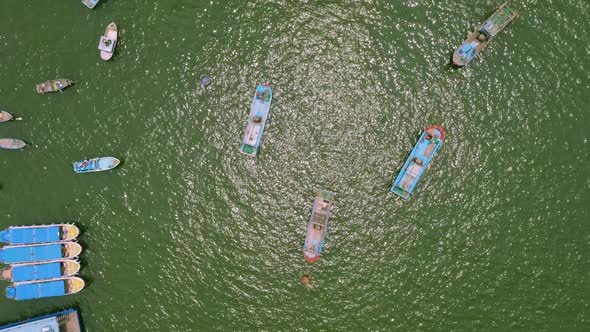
x=11 y=144
x=95 y=165
x=108 y=42
x=46 y=288
x=483 y=35
x=39 y=252
x=39 y=234
x=256 y=120
x=54 y=85
x=39 y=271
x=90 y=3
x=318 y=225
x=420 y=158
x=5 y=116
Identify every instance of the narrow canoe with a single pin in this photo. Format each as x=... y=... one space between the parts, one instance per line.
x=318 y=225
x=425 y=149
x=95 y=165
x=39 y=252
x=483 y=35
x=40 y=271
x=90 y=3
x=54 y=85
x=257 y=120
x=46 y=288
x=5 y=116
x=39 y=234
x=108 y=42
x=12 y=144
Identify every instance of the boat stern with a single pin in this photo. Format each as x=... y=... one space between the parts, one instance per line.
x=248 y=150
x=6 y=274
x=310 y=257
x=400 y=192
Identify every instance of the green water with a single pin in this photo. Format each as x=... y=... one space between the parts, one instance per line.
x=189 y=235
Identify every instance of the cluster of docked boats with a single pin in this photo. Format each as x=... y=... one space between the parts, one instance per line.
x=41 y=261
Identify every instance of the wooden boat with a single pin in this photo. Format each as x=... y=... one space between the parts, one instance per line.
x=90 y=3
x=5 y=116
x=39 y=234
x=41 y=270
x=12 y=144
x=45 y=288
x=483 y=35
x=425 y=149
x=54 y=85
x=95 y=165
x=39 y=252
x=256 y=120
x=318 y=224
x=108 y=42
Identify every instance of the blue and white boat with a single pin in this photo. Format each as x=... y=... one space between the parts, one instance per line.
x=318 y=225
x=95 y=165
x=90 y=3
x=257 y=120
x=39 y=252
x=425 y=149
x=40 y=270
x=44 y=288
x=39 y=234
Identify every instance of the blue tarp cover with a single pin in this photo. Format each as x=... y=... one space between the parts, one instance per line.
x=468 y=50
x=36 y=272
x=27 y=254
x=37 y=290
x=30 y=235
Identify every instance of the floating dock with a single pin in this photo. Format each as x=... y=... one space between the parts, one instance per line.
x=63 y=321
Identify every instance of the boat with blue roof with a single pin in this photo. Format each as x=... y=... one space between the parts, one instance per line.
x=64 y=321
x=39 y=234
x=259 y=112
x=39 y=252
x=40 y=270
x=99 y=164
x=90 y=3
x=31 y=290
x=419 y=160
x=318 y=225
x=483 y=35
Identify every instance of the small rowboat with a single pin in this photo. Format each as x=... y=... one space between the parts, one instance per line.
x=108 y=42
x=46 y=288
x=483 y=35
x=318 y=224
x=425 y=149
x=39 y=252
x=5 y=116
x=256 y=120
x=54 y=85
x=11 y=144
x=90 y=3
x=95 y=165
x=39 y=234
x=41 y=270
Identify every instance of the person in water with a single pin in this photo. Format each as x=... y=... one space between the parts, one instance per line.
x=305 y=280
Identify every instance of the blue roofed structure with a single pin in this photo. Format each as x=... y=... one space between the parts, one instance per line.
x=36 y=272
x=23 y=254
x=63 y=321
x=36 y=290
x=30 y=235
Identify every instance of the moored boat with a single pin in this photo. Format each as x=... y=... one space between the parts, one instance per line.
x=257 y=120
x=39 y=252
x=41 y=270
x=108 y=42
x=95 y=165
x=90 y=3
x=54 y=85
x=45 y=288
x=418 y=161
x=39 y=234
x=12 y=144
x=483 y=35
x=318 y=225
x=5 y=116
